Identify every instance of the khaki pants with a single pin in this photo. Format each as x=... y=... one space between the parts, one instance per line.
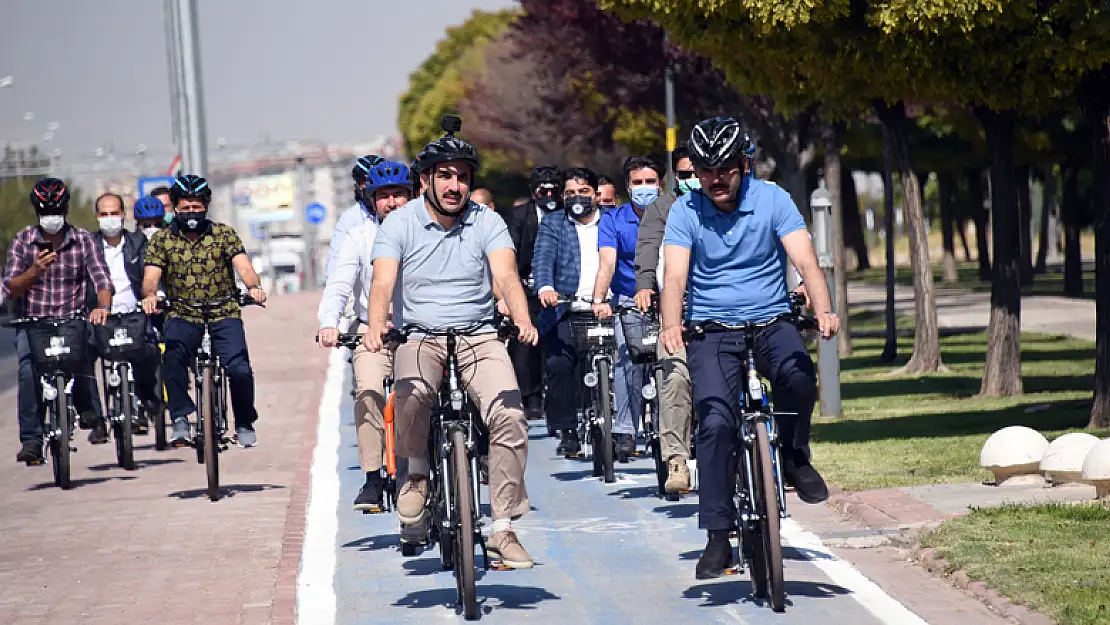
x=676 y=415
x=486 y=370
x=370 y=372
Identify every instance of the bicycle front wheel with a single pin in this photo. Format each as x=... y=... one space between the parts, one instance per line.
x=125 y=444
x=60 y=444
x=605 y=405
x=464 y=526
x=769 y=502
x=211 y=435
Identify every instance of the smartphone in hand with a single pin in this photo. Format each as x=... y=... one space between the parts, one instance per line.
x=46 y=246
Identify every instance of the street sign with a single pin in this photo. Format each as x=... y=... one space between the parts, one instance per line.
x=315 y=213
x=146 y=184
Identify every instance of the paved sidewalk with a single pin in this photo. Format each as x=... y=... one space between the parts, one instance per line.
x=959 y=308
x=147 y=546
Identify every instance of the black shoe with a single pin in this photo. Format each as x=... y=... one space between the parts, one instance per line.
x=569 y=446
x=99 y=433
x=533 y=408
x=716 y=558
x=88 y=419
x=31 y=453
x=626 y=446
x=369 y=499
x=807 y=482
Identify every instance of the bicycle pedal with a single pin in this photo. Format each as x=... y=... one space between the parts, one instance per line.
x=35 y=463
x=498 y=565
x=734 y=570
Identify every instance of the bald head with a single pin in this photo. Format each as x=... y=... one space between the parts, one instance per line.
x=483 y=196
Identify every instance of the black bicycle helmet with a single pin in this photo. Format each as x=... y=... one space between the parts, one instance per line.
x=446 y=148
x=50 y=196
x=717 y=140
x=361 y=171
x=192 y=187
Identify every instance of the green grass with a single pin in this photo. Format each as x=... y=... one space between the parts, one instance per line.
x=1052 y=558
x=967 y=277
x=901 y=431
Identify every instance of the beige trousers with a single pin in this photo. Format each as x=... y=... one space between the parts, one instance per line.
x=674 y=397
x=370 y=372
x=487 y=373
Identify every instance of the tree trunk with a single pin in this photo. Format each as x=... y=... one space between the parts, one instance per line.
x=946 y=183
x=1025 y=215
x=890 y=349
x=1094 y=98
x=854 y=236
x=1002 y=373
x=1049 y=212
x=980 y=216
x=833 y=137
x=959 y=220
x=1072 y=216
x=926 y=339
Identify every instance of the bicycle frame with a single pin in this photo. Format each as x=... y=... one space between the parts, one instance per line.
x=205 y=359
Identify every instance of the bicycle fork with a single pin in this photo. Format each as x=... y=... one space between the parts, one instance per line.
x=49 y=394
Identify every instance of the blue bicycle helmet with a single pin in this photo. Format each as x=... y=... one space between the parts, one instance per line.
x=388 y=174
x=149 y=208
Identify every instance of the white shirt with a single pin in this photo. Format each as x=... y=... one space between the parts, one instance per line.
x=352 y=271
x=591 y=261
x=353 y=216
x=124 y=300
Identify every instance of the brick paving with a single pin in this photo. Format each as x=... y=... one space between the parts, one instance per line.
x=148 y=546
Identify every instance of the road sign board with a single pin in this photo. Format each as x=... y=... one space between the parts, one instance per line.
x=315 y=213
x=148 y=183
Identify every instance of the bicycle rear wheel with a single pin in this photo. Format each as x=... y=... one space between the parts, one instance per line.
x=769 y=502
x=125 y=444
x=464 y=526
x=60 y=443
x=159 y=416
x=605 y=405
x=211 y=435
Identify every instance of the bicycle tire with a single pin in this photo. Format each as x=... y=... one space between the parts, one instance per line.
x=125 y=443
x=159 y=416
x=605 y=405
x=60 y=444
x=211 y=436
x=772 y=545
x=464 y=526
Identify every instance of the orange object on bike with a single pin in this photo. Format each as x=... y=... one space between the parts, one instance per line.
x=390 y=457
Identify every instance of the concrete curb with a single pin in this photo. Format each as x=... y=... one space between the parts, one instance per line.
x=939 y=567
x=863 y=513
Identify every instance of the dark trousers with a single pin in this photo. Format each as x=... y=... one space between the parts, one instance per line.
x=565 y=391
x=717 y=380
x=145 y=372
x=229 y=344
x=86 y=396
x=528 y=362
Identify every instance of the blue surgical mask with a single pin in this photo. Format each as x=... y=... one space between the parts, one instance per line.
x=688 y=185
x=644 y=195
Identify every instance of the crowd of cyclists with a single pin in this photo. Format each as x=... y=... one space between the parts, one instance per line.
x=416 y=248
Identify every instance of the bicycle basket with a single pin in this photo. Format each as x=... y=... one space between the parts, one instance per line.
x=123 y=337
x=592 y=334
x=59 y=344
x=641 y=334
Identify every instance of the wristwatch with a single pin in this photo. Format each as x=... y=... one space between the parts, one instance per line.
x=598 y=300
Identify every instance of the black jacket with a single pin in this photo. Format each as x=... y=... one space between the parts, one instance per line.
x=134 y=260
x=523 y=225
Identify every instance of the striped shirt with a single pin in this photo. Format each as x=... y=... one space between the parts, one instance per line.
x=61 y=291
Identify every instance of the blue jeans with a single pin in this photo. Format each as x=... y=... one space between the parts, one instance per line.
x=628 y=381
x=229 y=344
x=86 y=395
x=717 y=377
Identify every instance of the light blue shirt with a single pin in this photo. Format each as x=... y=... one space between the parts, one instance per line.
x=353 y=216
x=737 y=261
x=444 y=274
x=619 y=229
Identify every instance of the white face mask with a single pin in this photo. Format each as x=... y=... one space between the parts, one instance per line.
x=110 y=226
x=149 y=232
x=52 y=224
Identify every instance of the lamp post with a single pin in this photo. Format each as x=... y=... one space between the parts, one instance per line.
x=828 y=355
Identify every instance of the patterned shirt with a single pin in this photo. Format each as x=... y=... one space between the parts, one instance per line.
x=197 y=270
x=61 y=291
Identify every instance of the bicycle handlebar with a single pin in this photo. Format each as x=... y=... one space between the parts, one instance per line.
x=243 y=299
x=502 y=324
x=20 y=321
x=350 y=341
x=696 y=331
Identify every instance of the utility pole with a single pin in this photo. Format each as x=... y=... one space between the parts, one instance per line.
x=828 y=353
x=173 y=63
x=194 y=152
x=672 y=132
x=303 y=197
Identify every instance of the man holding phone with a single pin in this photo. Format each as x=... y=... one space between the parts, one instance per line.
x=49 y=268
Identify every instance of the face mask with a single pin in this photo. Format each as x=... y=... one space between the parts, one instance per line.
x=644 y=195
x=192 y=222
x=110 y=226
x=579 y=205
x=52 y=224
x=689 y=184
x=168 y=219
x=550 y=204
x=149 y=232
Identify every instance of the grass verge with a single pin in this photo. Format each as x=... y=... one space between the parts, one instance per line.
x=1051 y=283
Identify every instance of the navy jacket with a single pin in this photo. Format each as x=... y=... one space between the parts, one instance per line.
x=556 y=262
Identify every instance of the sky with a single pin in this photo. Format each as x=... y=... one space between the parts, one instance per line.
x=296 y=69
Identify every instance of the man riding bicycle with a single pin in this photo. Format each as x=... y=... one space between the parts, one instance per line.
x=444 y=249
x=728 y=244
x=194 y=259
x=360 y=213
x=388 y=188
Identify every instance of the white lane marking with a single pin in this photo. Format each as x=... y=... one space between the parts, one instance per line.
x=864 y=591
x=315 y=590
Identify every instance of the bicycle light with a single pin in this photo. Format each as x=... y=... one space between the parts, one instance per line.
x=590 y=379
x=49 y=393
x=113 y=379
x=648 y=391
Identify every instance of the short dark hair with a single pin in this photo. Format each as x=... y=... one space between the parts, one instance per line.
x=122 y=204
x=633 y=163
x=679 y=153
x=580 y=173
x=603 y=179
x=156 y=191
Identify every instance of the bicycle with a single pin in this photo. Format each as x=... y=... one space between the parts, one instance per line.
x=758 y=489
x=121 y=342
x=210 y=386
x=58 y=349
x=641 y=336
x=454 y=444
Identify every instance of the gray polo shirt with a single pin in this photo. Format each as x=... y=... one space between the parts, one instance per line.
x=444 y=280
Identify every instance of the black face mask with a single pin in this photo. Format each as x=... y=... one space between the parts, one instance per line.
x=191 y=222
x=579 y=205
x=549 y=204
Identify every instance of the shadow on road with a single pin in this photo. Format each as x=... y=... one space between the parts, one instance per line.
x=138 y=463
x=490 y=597
x=375 y=543
x=229 y=490
x=85 y=481
x=678 y=510
x=737 y=589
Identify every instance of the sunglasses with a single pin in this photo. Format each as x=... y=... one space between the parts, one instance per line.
x=683 y=174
